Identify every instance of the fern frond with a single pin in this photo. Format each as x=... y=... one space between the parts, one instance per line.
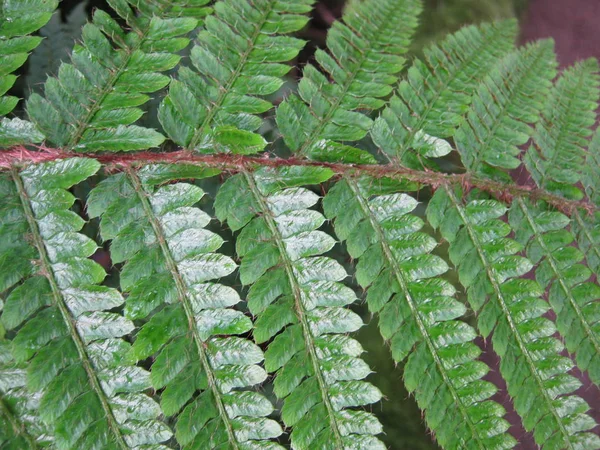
x=418 y=313
x=489 y=268
x=20 y=424
x=12 y=433
x=362 y=62
x=558 y=161
x=505 y=103
x=591 y=171
x=91 y=394
x=557 y=156
x=299 y=302
x=560 y=270
x=238 y=57
x=429 y=103
x=586 y=227
x=17 y=21
x=169 y=264
x=93 y=102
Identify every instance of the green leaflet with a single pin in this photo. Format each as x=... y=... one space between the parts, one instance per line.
x=16 y=131
x=72 y=343
x=591 y=171
x=238 y=59
x=92 y=104
x=489 y=268
x=560 y=268
x=169 y=272
x=363 y=59
x=587 y=229
x=299 y=304
x=556 y=158
x=505 y=103
x=20 y=425
x=18 y=20
x=432 y=99
x=418 y=312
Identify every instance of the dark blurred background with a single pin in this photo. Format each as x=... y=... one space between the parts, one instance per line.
x=572 y=23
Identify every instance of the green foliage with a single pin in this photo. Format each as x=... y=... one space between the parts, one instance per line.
x=230 y=315
x=93 y=102
x=91 y=392
x=170 y=262
x=560 y=270
x=441 y=18
x=363 y=57
x=558 y=153
x=489 y=268
x=443 y=84
x=20 y=426
x=591 y=172
x=418 y=312
x=299 y=303
x=238 y=59
x=505 y=103
x=58 y=42
x=18 y=20
x=586 y=225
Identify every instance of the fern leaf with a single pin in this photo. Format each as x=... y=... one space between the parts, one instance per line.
x=558 y=160
x=61 y=315
x=169 y=264
x=536 y=374
x=13 y=436
x=591 y=171
x=17 y=21
x=299 y=303
x=362 y=62
x=93 y=102
x=586 y=227
x=431 y=100
x=418 y=313
x=238 y=58
x=560 y=269
x=20 y=425
x=557 y=156
x=505 y=103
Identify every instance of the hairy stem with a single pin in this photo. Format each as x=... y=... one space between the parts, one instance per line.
x=20 y=156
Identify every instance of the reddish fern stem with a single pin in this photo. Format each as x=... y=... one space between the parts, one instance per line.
x=235 y=163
